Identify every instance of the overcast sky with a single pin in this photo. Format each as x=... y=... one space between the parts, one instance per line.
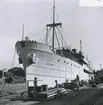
x=79 y=23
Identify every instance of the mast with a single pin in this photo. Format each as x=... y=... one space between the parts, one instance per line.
x=22 y=31
x=53 y=26
x=81 y=46
x=46 y=41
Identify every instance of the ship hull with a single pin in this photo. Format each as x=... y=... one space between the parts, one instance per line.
x=40 y=62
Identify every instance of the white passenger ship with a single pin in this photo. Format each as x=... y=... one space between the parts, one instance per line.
x=47 y=63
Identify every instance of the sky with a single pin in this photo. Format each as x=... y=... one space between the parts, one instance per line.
x=79 y=23
x=91 y=2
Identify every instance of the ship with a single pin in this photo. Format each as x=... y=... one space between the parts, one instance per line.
x=48 y=64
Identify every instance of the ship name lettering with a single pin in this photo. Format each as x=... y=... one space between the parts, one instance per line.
x=49 y=64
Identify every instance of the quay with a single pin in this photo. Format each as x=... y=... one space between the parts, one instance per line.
x=85 y=96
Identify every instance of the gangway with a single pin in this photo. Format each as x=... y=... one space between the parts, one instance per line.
x=52 y=93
